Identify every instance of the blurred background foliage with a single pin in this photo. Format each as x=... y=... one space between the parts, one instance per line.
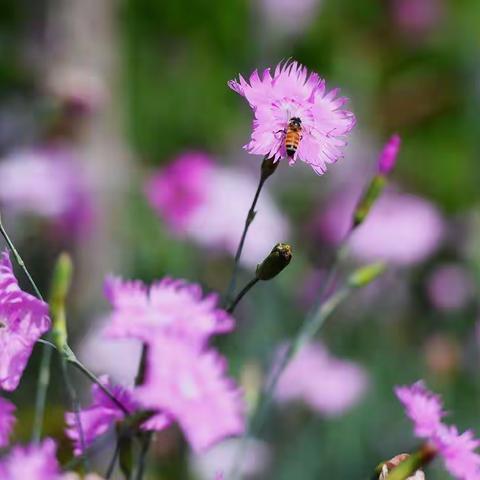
x=174 y=60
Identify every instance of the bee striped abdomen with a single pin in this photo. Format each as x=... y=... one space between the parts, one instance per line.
x=293 y=136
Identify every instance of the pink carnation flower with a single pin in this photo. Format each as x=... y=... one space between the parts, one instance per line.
x=33 y=462
x=193 y=195
x=326 y=384
x=293 y=93
x=23 y=320
x=424 y=408
x=172 y=307
x=401 y=229
x=103 y=413
x=388 y=157
x=426 y=411
x=193 y=388
x=7 y=421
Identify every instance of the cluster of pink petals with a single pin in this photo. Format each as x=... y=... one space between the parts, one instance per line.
x=103 y=413
x=400 y=229
x=457 y=450
x=192 y=195
x=7 y=421
x=292 y=92
x=23 y=320
x=33 y=462
x=326 y=384
x=388 y=157
x=47 y=182
x=192 y=387
x=169 y=307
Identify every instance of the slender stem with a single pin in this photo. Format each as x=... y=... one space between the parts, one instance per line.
x=42 y=387
x=146 y=439
x=242 y=293
x=248 y=221
x=75 y=403
x=113 y=461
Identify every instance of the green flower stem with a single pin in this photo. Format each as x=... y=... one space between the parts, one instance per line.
x=242 y=293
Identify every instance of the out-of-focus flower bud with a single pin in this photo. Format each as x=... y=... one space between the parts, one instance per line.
x=269 y=165
x=365 y=275
x=369 y=197
x=276 y=261
x=388 y=157
x=394 y=462
x=61 y=281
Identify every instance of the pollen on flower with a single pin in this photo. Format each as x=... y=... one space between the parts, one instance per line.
x=295 y=106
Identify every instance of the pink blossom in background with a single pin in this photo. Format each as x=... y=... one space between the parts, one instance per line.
x=293 y=92
x=118 y=358
x=401 y=229
x=7 y=421
x=193 y=388
x=450 y=287
x=32 y=462
x=417 y=16
x=423 y=407
x=222 y=458
x=326 y=384
x=103 y=413
x=23 y=320
x=193 y=196
x=169 y=307
x=287 y=16
x=388 y=156
x=457 y=450
x=47 y=182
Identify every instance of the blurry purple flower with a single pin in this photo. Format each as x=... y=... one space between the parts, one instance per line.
x=118 y=358
x=388 y=157
x=172 y=307
x=450 y=287
x=46 y=182
x=326 y=384
x=417 y=16
x=424 y=408
x=192 y=387
x=23 y=320
x=222 y=458
x=288 y=16
x=194 y=197
x=103 y=413
x=292 y=92
x=32 y=462
x=426 y=411
x=7 y=421
x=400 y=229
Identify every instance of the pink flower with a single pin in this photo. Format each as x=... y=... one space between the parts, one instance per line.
x=293 y=93
x=192 y=387
x=401 y=229
x=7 y=421
x=326 y=384
x=426 y=411
x=388 y=157
x=33 y=462
x=23 y=320
x=417 y=16
x=47 y=182
x=194 y=197
x=172 y=307
x=103 y=413
x=424 y=408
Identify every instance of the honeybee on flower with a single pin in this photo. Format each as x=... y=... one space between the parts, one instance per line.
x=295 y=116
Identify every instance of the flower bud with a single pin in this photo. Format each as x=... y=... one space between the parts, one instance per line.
x=62 y=277
x=387 y=467
x=365 y=275
x=369 y=197
x=276 y=261
x=269 y=165
x=388 y=157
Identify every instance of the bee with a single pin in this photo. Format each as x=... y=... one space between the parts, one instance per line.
x=293 y=135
